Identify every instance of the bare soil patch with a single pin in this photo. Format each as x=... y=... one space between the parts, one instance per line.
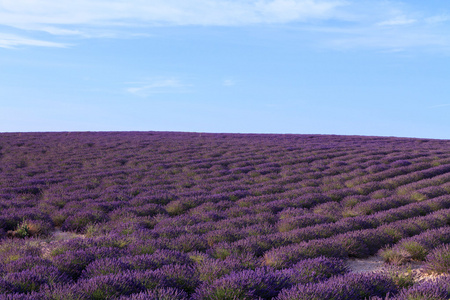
x=366 y=265
x=48 y=244
x=59 y=235
x=375 y=264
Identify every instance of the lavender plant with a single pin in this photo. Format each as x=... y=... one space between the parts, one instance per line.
x=346 y=287
x=438 y=260
x=249 y=284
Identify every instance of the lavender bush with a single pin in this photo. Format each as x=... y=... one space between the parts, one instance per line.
x=31 y=280
x=438 y=261
x=438 y=289
x=346 y=287
x=159 y=294
x=249 y=284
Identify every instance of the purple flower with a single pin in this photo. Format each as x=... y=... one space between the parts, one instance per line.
x=159 y=294
x=248 y=284
x=345 y=287
x=438 y=289
x=438 y=261
x=315 y=270
x=31 y=280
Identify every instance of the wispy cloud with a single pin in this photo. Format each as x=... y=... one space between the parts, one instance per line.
x=438 y=19
x=13 y=41
x=388 y=40
x=341 y=24
x=400 y=20
x=150 y=86
x=115 y=18
x=387 y=27
x=440 y=105
x=228 y=82
x=35 y=14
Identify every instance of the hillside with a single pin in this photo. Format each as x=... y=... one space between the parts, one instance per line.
x=167 y=215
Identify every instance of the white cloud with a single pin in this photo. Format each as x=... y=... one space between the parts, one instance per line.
x=228 y=82
x=438 y=19
x=157 y=86
x=389 y=40
x=340 y=24
x=59 y=31
x=400 y=20
x=13 y=41
x=34 y=14
x=440 y=105
x=114 y=18
x=386 y=26
x=290 y=10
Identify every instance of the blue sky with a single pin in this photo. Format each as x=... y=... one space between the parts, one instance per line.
x=263 y=66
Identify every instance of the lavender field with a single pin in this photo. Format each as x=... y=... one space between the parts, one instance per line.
x=162 y=215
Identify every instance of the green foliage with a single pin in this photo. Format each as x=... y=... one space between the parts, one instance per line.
x=438 y=261
x=403 y=278
x=392 y=256
x=415 y=250
x=22 y=230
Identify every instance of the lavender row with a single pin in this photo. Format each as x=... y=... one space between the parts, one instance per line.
x=361 y=243
x=329 y=230
x=417 y=247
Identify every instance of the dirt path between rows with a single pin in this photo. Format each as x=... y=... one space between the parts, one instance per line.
x=57 y=235
x=375 y=264
x=366 y=265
